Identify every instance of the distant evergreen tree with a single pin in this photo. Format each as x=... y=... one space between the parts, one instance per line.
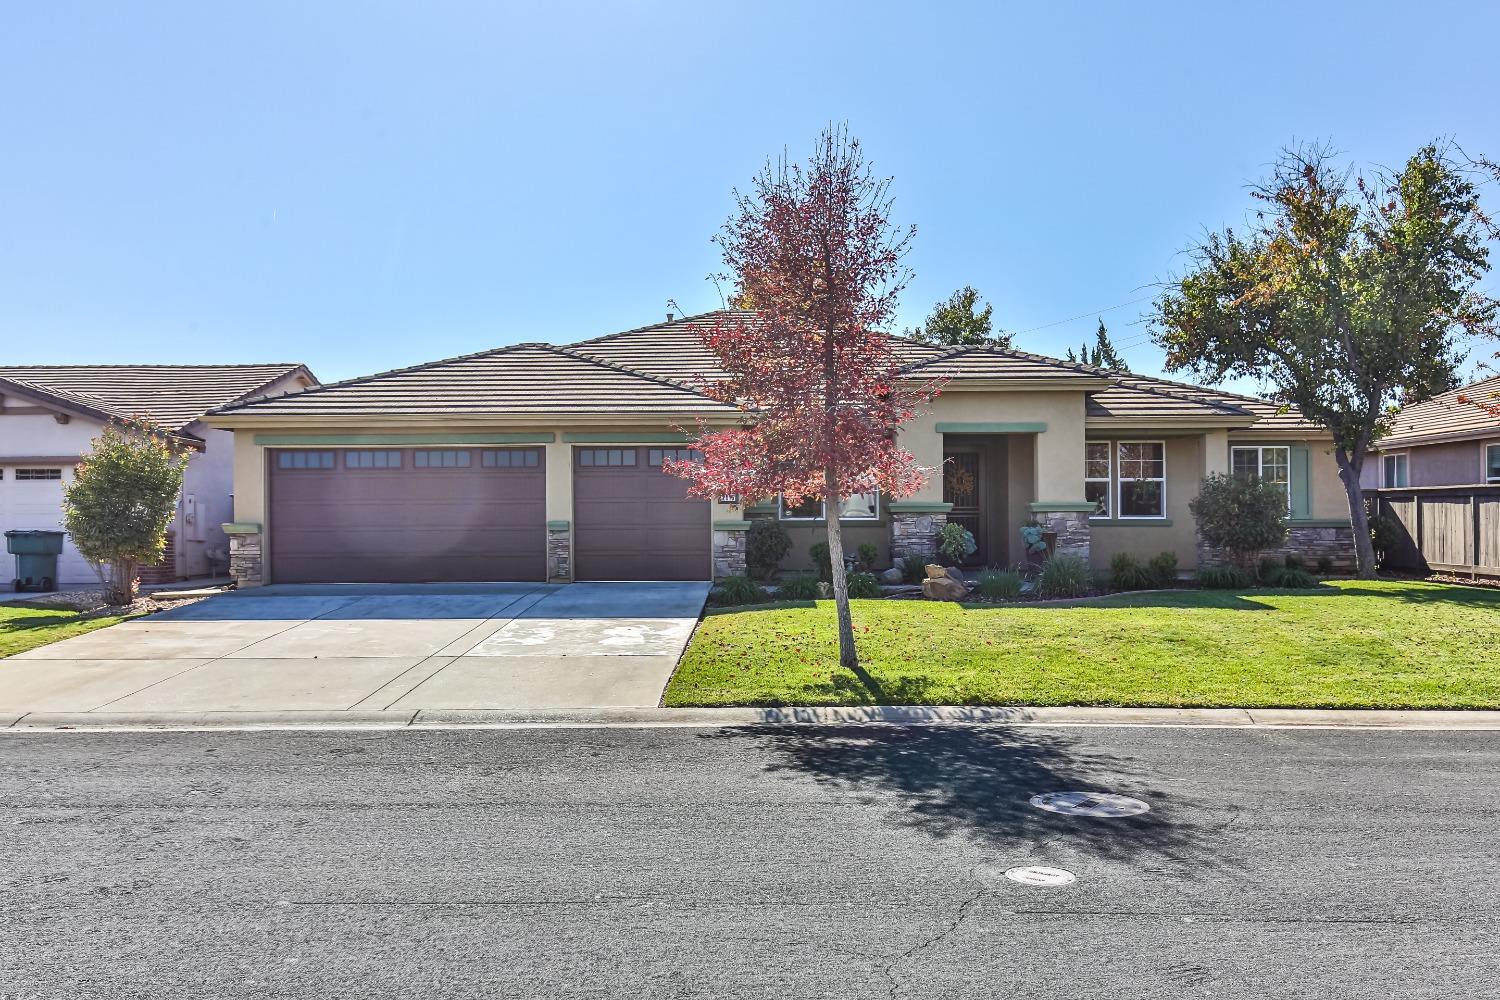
x=1105 y=355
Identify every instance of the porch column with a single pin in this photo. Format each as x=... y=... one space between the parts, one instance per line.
x=246 y=559
x=1070 y=520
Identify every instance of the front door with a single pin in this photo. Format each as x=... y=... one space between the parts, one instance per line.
x=963 y=478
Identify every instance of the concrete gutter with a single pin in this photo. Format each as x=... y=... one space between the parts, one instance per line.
x=648 y=718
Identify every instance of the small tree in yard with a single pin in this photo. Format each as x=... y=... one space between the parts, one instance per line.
x=813 y=250
x=1243 y=516
x=957 y=322
x=121 y=501
x=1346 y=295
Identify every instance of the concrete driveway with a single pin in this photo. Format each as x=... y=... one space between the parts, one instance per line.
x=372 y=648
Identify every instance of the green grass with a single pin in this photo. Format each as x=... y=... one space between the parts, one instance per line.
x=23 y=627
x=1350 y=644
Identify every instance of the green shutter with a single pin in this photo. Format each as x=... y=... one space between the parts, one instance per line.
x=1301 y=484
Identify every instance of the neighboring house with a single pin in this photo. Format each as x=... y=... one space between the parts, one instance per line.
x=538 y=462
x=50 y=413
x=1442 y=442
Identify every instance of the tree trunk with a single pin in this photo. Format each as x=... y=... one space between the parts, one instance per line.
x=1364 y=549
x=121 y=587
x=848 y=656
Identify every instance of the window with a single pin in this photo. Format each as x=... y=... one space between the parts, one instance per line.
x=1492 y=463
x=372 y=460
x=597 y=457
x=1393 y=471
x=440 y=459
x=656 y=456
x=1271 y=464
x=1143 y=479
x=304 y=460
x=1096 y=476
x=36 y=475
x=856 y=507
x=510 y=458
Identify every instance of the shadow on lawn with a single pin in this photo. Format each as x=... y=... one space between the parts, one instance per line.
x=976 y=782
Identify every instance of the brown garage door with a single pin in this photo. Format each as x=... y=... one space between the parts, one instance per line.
x=632 y=521
x=408 y=515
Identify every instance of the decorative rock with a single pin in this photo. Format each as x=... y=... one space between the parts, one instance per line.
x=944 y=589
x=936 y=572
x=893 y=575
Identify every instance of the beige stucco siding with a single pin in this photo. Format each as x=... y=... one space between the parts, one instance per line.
x=1177 y=533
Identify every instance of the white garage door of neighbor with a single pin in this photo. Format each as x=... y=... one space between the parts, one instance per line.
x=33 y=504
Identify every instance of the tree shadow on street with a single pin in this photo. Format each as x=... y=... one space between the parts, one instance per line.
x=976 y=782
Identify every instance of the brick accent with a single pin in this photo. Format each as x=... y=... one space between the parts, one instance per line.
x=1311 y=543
x=915 y=534
x=559 y=553
x=245 y=562
x=166 y=570
x=729 y=552
x=1072 y=528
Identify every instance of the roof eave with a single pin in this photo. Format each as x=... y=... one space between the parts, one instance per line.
x=958 y=383
x=1440 y=437
x=244 y=419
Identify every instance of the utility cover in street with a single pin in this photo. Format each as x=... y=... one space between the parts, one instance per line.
x=1103 y=805
x=1041 y=875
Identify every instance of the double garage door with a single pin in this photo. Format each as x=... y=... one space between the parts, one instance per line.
x=455 y=514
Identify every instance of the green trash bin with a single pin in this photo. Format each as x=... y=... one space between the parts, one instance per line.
x=36 y=555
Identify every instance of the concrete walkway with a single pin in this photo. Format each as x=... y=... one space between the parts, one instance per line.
x=370 y=648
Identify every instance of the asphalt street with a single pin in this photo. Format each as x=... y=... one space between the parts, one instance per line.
x=796 y=862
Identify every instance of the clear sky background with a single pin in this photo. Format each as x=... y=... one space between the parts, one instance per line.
x=363 y=186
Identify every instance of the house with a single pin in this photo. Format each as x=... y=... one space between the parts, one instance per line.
x=1446 y=441
x=537 y=461
x=50 y=413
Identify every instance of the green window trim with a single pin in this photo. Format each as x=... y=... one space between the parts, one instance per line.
x=918 y=507
x=1130 y=522
x=240 y=528
x=1061 y=507
x=559 y=525
x=731 y=525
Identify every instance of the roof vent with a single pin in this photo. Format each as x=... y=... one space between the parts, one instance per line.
x=670 y=317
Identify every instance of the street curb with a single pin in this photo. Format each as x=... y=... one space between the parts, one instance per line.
x=648 y=718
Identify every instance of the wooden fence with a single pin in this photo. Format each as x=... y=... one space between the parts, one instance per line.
x=1445 y=529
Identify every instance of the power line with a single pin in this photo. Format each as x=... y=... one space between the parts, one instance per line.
x=1082 y=315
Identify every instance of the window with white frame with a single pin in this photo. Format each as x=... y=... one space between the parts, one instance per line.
x=1492 y=463
x=857 y=507
x=1268 y=463
x=1142 y=469
x=1096 y=476
x=1393 y=470
x=37 y=475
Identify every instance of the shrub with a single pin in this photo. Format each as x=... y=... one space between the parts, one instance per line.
x=1294 y=561
x=1163 y=569
x=1223 y=578
x=1242 y=516
x=1000 y=584
x=913 y=569
x=956 y=543
x=868 y=554
x=822 y=560
x=1325 y=566
x=862 y=585
x=798 y=587
x=1386 y=534
x=1293 y=578
x=1127 y=573
x=735 y=590
x=1268 y=569
x=767 y=544
x=1064 y=576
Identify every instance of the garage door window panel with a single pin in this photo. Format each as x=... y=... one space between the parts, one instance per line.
x=510 y=458
x=37 y=475
x=601 y=458
x=440 y=459
x=305 y=460
x=372 y=460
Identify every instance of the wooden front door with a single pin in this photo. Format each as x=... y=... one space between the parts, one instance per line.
x=963 y=479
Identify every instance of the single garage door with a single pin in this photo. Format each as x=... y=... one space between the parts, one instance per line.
x=408 y=515
x=632 y=521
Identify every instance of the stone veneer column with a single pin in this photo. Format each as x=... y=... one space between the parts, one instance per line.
x=246 y=561
x=914 y=529
x=1071 y=523
x=730 y=540
x=559 y=551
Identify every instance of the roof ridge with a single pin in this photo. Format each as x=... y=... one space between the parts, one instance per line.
x=233 y=364
x=655 y=326
x=567 y=351
x=1012 y=352
x=1205 y=388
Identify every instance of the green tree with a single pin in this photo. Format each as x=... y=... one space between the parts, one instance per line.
x=1105 y=355
x=958 y=322
x=121 y=501
x=1346 y=296
x=1241 y=515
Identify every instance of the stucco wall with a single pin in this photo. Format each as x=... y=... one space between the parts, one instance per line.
x=1178 y=533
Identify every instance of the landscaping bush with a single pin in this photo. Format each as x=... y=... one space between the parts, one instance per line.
x=822 y=561
x=1294 y=561
x=1268 y=569
x=767 y=544
x=863 y=585
x=736 y=590
x=798 y=587
x=1163 y=569
x=1386 y=533
x=1223 y=578
x=1293 y=578
x=1240 y=516
x=1325 y=566
x=956 y=543
x=1000 y=584
x=913 y=569
x=1127 y=573
x=1064 y=576
x=869 y=552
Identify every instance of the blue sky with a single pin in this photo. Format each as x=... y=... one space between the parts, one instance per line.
x=364 y=186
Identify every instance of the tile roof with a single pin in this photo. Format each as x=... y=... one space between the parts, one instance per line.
x=523 y=378
x=171 y=395
x=1132 y=398
x=1444 y=416
x=997 y=363
x=1269 y=416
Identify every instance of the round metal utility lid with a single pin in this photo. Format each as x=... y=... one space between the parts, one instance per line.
x=1041 y=875
x=1102 y=805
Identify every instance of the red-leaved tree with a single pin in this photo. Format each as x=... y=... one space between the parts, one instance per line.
x=813 y=251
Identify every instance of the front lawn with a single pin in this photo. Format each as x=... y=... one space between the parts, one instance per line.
x=25 y=627
x=1350 y=644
